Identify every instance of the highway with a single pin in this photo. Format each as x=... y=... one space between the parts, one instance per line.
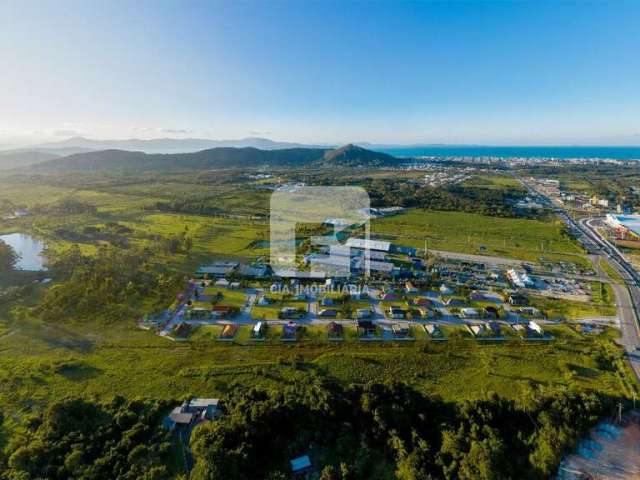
x=627 y=294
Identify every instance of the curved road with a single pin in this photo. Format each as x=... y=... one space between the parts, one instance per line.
x=627 y=294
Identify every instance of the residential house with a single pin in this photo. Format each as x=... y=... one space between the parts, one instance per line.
x=477 y=330
x=263 y=301
x=396 y=313
x=535 y=327
x=290 y=331
x=191 y=412
x=445 y=290
x=423 y=302
x=455 y=302
x=410 y=288
x=433 y=330
x=401 y=330
x=259 y=329
x=495 y=328
x=220 y=311
x=290 y=312
x=229 y=332
x=335 y=329
x=469 y=313
x=517 y=299
x=366 y=327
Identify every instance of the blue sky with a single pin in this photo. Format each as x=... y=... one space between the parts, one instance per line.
x=383 y=72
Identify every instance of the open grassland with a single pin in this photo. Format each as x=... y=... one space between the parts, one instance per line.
x=555 y=308
x=40 y=363
x=472 y=233
x=212 y=236
x=239 y=236
x=495 y=182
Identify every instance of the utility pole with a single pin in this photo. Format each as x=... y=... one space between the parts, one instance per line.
x=619 y=412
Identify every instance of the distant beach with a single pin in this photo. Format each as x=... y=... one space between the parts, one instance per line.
x=619 y=153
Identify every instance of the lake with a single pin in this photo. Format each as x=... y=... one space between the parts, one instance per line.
x=29 y=251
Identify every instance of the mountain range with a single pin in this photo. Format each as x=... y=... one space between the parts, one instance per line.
x=220 y=157
x=173 y=145
x=27 y=156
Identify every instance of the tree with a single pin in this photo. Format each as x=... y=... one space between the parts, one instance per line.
x=329 y=473
x=8 y=257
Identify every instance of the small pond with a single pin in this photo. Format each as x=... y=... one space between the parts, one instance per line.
x=29 y=251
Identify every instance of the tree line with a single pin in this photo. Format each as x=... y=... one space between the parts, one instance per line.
x=462 y=198
x=351 y=432
x=355 y=430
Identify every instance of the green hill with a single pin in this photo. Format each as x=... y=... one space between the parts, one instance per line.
x=354 y=156
x=224 y=157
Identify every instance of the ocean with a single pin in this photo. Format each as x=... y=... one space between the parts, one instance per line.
x=620 y=153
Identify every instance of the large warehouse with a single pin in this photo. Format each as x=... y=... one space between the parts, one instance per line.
x=626 y=226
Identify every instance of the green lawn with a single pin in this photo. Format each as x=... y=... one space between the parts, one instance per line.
x=231 y=298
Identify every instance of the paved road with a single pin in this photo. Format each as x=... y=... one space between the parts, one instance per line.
x=627 y=294
x=467 y=257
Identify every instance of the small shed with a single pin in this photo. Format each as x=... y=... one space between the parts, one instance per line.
x=301 y=465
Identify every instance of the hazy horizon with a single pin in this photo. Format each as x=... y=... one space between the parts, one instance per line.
x=457 y=73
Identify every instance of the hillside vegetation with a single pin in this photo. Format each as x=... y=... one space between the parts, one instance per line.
x=223 y=157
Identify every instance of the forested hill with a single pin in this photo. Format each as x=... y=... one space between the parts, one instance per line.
x=108 y=160
x=352 y=155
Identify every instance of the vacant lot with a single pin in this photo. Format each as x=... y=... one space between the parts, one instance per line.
x=479 y=234
x=44 y=362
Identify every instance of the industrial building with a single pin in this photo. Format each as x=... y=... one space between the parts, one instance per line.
x=626 y=226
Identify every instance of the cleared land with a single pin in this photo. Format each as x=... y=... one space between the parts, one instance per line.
x=472 y=233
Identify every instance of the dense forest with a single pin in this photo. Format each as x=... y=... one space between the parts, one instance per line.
x=79 y=439
x=494 y=202
x=420 y=437
x=354 y=432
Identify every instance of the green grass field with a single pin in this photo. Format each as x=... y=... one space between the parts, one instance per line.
x=495 y=181
x=602 y=304
x=516 y=238
x=40 y=363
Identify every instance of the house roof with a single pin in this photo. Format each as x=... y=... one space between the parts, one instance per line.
x=204 y=402
x=253 y=270
x=300 y=463
x=218 y=268
x=369 y=244
x=180 y=418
